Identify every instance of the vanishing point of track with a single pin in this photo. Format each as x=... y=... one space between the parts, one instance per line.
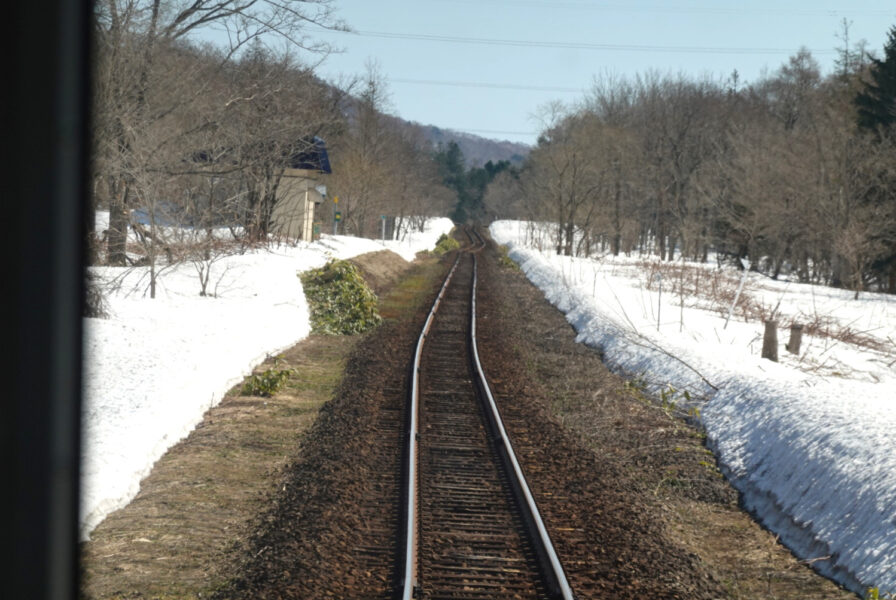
x=470 y=526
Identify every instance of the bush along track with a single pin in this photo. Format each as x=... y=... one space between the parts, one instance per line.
x=266 y=383
x=445 y=244
x=339 y=300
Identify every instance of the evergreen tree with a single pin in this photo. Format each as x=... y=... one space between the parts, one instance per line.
x=469 y=185
x=450 y=160
x=876 y=103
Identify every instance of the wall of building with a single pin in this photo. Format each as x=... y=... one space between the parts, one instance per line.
x=293 y=215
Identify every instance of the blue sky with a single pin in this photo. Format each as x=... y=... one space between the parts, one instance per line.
x=452 y=83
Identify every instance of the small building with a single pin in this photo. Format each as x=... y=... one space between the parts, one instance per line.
x=301 y=189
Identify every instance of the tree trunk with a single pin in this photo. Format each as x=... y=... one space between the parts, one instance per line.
x=779 y=263
x=117 y=236
x=661 y=240
x=570 y=232
x=617 y=219
x=839 y=271
x=560 y=226
x=661 y=224
x=796 y=339
x=770 y=341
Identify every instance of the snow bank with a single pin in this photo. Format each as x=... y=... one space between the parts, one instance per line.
x=809 y=442
x=155 y=366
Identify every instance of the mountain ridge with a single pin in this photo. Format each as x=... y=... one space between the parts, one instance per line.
x=477 y=150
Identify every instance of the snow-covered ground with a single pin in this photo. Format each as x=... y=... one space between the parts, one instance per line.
x=156 y=365
x=809 y=441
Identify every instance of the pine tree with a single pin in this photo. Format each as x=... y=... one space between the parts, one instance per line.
x=450 y=161
x=876 y=103
x=876 y=106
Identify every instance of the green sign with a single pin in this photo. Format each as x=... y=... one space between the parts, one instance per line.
x=337 y=216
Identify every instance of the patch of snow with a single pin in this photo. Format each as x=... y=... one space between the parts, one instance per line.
x=154 y=367
x=809 y=442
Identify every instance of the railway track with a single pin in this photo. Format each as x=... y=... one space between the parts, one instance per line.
x=470 y=526
x=338 y=528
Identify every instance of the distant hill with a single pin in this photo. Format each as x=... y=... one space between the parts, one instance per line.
x=477 y=150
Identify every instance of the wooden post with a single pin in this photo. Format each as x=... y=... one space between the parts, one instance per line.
x=770 y=341
x=796 y=338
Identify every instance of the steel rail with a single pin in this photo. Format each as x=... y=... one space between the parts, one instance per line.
x=479 y=237
x=409 y=575
x=556 y=577
x=553 y=570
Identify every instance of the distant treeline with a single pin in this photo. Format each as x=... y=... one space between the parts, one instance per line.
x=795 y=173
x=191 y=133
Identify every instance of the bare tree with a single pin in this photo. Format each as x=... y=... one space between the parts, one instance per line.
x=381 y=167
x=564 y=175
x=776 y=172
x=363 y=152
x=129 y=36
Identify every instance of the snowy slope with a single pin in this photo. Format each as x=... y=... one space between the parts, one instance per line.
x=155 y=366
x=808 y=441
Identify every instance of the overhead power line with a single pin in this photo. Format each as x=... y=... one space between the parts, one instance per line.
x=609 y=7
x=576 y=45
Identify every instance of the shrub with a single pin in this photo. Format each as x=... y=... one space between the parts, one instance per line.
x=95 y=305
x=446 y=244
x=504 y=259
x=339 y=299
x=266 y=383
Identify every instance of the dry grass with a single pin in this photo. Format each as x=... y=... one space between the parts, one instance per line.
x=409 y=294
x=381 y=269
x=715 y=290
x=824 y=326
x=174 y=538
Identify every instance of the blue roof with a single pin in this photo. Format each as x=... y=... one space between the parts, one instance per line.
x=314 y=158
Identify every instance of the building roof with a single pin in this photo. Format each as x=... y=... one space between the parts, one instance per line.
x=314 y=158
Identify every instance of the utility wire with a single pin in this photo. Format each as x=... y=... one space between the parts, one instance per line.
x=821 y=12
x=574 y=45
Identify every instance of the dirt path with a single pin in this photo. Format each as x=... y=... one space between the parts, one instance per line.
x=271 y=498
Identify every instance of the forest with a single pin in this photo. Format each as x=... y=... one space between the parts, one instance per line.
x=193 y=133
x=791 y=175
x=794 y=174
